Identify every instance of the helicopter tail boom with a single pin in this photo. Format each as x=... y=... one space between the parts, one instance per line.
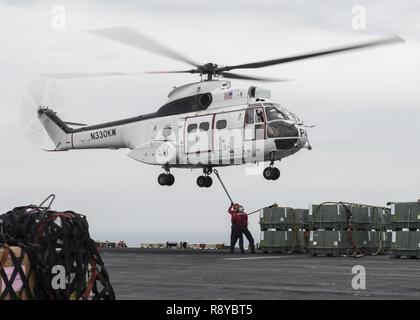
x=67 y=138
x=57 y=129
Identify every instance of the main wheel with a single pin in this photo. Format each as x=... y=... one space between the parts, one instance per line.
x=171 y=179
x=209 y=182
x=163 y=179
x=201 y=181
x=276 y=173
x=268 y=173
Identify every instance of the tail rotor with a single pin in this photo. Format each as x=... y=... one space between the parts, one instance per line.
x=42 y=92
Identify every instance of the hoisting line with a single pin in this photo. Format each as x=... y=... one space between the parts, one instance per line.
x=221 y=182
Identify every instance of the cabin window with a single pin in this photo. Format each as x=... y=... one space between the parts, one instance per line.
x=249 y=116
x=166 y=131
x=204 y=126
x=192 y=128
x=221 y=124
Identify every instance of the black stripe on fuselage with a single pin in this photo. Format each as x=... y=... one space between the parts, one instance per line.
x=117 y=123
x=176 y=107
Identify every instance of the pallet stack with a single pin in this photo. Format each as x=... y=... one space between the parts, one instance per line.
x=338 y=229
x=405 y=223
x=284 y=229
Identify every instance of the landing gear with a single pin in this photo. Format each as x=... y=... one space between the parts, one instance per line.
x=271 y=172
x=166 y=179
x=205 y=181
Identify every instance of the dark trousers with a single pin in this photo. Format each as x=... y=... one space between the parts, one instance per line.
x=248 y=235
x=236 y=233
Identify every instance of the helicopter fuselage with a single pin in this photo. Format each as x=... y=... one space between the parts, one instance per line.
x=204 y=125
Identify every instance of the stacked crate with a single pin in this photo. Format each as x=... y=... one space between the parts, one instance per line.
x=405 y=223
x=338 y=228
x=284 y=229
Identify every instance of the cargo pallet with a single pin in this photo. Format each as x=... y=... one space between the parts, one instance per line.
x=411 y=254
x=332 y=226
x=332 y=252
x=400 y=225
x=283 y=227
x=282 y=250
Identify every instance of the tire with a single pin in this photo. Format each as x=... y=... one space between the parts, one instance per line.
x=163 y=179
x=201 y=181
x=276 y=173
x=171 y=180
x=209 y=182
x=268 y=173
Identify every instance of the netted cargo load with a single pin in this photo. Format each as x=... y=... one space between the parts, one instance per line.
x=405 y=215
x=60 y=242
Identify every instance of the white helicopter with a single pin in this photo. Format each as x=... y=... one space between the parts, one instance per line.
x=204 y=125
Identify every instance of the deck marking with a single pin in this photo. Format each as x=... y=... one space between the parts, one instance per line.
x=254 y=258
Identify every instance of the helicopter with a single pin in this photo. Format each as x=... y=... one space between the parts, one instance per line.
x=204 y=124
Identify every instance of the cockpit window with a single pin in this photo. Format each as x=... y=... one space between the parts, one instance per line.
x=292 y=116
x=275 y=114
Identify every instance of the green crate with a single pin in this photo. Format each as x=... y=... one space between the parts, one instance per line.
x=361 y=215
x=337 y=216
x=278 y=215
x=327 y=216
x=405 y=212
x=406 y=241
x=284 y=241
x=283 y=218
x=344 y=242
x=405 y=215
x=302 y=216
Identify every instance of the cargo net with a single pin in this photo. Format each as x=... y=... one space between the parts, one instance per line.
x=63 y=257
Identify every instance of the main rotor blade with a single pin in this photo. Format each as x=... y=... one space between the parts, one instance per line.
x=230 y=75
x=133 y=38
x=76 y=75
x=272 y=62
x=179 y=71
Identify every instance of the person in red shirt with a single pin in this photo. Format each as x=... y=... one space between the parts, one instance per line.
x=242 y=220
x=235 y=229
x=240 y=228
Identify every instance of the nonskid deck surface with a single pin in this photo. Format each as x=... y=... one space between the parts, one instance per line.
x=201 y=274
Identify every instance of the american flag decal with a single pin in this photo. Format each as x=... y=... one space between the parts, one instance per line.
x=228 y=95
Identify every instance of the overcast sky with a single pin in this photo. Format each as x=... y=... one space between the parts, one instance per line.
x=366 y=106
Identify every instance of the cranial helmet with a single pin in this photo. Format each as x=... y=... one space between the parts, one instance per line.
x=236 y=206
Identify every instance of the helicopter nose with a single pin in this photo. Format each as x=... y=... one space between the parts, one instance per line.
x=303 y=137
x=287 y=135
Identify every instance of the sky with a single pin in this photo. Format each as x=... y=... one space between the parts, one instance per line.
x=365 y=105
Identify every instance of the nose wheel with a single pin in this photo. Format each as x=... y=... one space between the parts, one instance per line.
x=205 y=181
x=271 y=173
x=166 y=179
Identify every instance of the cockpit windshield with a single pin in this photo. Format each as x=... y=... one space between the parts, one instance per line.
x=275 y=112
